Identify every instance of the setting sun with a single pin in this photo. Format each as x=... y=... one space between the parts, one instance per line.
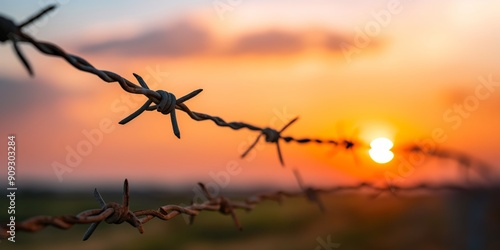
x=380 y=151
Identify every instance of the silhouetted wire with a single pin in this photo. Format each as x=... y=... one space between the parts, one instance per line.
x=467 y=162
x=165 y=102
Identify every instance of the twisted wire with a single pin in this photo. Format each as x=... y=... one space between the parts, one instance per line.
x=165 y=102
x=115 y=213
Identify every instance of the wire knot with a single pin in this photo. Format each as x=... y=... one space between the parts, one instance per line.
x=225 y=206
x=6 y=27
x=311 y=194
x=166 y=105
x=167 y=102
x=10 y=31
x=271 y=135
x=119 y=214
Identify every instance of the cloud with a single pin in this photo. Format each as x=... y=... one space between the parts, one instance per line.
x=269 y=42
x=283 y=42
x=22 y=98
x=185 y=38
x=334 y=41
x=180 y=39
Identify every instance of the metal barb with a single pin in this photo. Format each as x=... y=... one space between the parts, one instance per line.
x=271 y=136
x=166 y=105
x=120 y=213
x=94 y=225
x=9 y=31
x=310 y=193
x=44 y=11
x=225 y=205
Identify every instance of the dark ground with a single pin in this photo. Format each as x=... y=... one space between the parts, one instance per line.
x=354 y=220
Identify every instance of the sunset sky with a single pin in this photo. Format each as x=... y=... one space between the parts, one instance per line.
x=349 y=70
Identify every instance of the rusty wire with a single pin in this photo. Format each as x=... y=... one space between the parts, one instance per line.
x=115 y=213
x=165 y=102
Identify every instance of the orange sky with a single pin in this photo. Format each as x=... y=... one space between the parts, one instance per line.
x=263 y=64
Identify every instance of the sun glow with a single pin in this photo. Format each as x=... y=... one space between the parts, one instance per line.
x=380 y=151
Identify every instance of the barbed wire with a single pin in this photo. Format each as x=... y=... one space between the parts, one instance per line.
x=167 y=104
x=115 y=213
x=164 y=101
x=467 y=162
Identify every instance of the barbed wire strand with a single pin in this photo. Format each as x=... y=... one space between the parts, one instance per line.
x=467 y=162
x=165 y=102
x=115 y=213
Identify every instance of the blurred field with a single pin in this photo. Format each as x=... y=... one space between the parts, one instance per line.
x=355 y=221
